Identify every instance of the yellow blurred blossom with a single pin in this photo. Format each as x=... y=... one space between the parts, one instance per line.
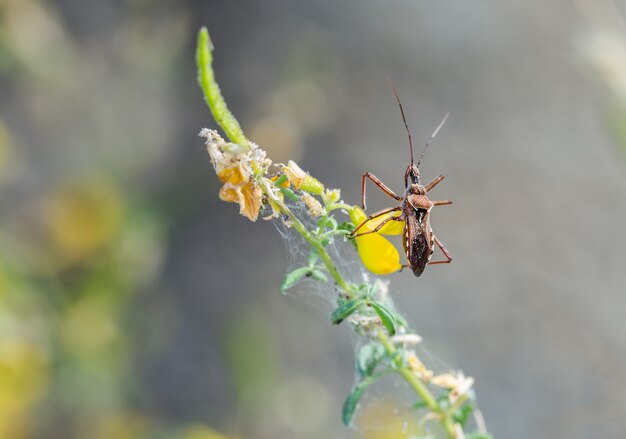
x=118 y=426
x=23 y=379
x=202 y=432
x=83 y=218
x=235 y=167
x=376 y=252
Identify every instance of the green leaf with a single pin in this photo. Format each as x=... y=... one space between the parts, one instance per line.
x=293 y=278
x=289 y=193
x=280 y=180
x=318 y=275
x=462 y=414
x=386 y=316
x=313 y=257
x=368 y=358
x=345 y=310
x=347 y=227
x=352 y=401
x=331 y=224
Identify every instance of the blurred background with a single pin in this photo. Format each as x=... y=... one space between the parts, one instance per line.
x=135 y=304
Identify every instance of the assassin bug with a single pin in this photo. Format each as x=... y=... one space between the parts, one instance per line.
x=418 y=239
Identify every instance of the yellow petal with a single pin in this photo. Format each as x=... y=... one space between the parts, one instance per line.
x=378 y=254
x=391 y=228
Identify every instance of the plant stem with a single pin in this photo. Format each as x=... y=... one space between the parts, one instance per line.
x=417 y=385
x=212 y=93
x=312 y=240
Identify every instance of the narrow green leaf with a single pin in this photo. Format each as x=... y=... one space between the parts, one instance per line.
x=318 y=274
x=293 y=278
x=462 y=414
x=212 y=94
x=345 y=310
x=289 y=193
x=352 y=401
x=368 y=358
x=280 y=180
x=386 y=316
x=313 y=257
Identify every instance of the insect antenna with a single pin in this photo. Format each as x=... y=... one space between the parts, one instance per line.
x=403 y=117
x=432 y=136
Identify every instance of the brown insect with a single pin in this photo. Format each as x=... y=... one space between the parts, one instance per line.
x=417 y=238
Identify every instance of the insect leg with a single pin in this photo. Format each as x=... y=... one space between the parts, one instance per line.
x=434 y=183
x=445 y=252
x=378 y=183
x=380 y=226
x=376 y=215
x=442 y=202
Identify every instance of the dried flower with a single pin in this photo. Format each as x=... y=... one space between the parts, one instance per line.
x=315 y=207
x=302 y=180
x=457 y=382
x=235 y=167
x=418 y=368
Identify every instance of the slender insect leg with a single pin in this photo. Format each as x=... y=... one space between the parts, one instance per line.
x=378 y=183
x=445 y=252
x=380 y=226
x=442 y=202
x=434 y=183
x=375 y=215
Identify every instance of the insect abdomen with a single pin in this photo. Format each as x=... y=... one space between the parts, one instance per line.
x=417 y=244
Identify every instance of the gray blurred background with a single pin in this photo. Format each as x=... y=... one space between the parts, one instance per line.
x=135 y=304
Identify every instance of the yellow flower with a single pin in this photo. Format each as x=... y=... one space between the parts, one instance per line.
x=376 y=252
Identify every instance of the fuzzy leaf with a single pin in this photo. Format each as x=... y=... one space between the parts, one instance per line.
x=352 y=401
x=293 y=278
x=318 y=275
x=368 y=358
x=386 y=316
x=345 y=310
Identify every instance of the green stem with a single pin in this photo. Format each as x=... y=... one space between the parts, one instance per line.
x=416 y=384
x=212 y=93
x=311 y=239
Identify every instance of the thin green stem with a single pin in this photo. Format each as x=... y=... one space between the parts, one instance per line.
x=311 y=239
